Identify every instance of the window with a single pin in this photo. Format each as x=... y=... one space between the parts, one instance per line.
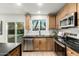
x=39 y=24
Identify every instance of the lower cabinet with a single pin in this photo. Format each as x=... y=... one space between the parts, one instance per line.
x=43 y=44
x=71 y=52
x=50 y=44
x=15 y=52
x=40 y=44
x=35 y=44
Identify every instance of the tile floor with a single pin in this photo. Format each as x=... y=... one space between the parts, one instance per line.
x=38 y=54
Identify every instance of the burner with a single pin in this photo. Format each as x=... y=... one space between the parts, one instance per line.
x=74 y=43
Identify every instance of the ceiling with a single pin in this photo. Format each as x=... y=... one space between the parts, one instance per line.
x=33 y=8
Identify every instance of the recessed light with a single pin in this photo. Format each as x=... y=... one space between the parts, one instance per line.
x=19 y=4
x=38 y=12
x=40 y=4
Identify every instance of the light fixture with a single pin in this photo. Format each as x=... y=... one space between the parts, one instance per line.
x=19 y=4
x=39 y=4
x=38 y=12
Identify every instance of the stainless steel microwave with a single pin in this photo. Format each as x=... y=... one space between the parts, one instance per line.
x=69 y=21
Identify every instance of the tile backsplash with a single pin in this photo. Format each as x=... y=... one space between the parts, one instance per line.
x=71 y=30
x=47 y=32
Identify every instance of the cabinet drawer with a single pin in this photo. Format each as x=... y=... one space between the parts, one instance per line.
x=70 y=52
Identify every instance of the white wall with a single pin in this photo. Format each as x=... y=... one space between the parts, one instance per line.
x=18 y=18
x=9 y=18
x=37 y=17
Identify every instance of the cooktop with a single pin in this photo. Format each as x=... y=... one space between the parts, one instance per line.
x=72 y=41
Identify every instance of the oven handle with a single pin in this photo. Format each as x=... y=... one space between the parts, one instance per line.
x=62 y=45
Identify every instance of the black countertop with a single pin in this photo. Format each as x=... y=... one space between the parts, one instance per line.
x=5 y=48
x=38 y=36
x=72 y=46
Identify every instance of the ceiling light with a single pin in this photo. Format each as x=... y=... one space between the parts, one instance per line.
x=40 y=4
x=19 y=4
x=38 y=12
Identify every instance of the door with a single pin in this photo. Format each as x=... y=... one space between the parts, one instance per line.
x=11 y=32
x=15 y=32
x=20 y=31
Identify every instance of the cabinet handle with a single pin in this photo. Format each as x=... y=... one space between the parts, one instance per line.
x=71 y=52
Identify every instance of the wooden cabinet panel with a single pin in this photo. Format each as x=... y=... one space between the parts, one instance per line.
x=42 y=44
x=15 y=52
x=67 y=9
x=36 y=43
x=52 y=22
x=27 y=21
x=50 y=44
x=71 y=52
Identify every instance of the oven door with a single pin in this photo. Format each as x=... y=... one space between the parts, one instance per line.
x=60 y=49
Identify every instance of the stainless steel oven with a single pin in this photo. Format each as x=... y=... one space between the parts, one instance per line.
x=60 y=48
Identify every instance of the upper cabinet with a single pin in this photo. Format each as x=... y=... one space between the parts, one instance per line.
x=66 y=10
x=52 y=22
x=27 y=21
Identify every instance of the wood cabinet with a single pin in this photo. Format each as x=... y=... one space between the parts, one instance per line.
x=40 y=44
x=67 y=9
x=43 y=44
x=27 y=23
x=71 y=52
x=50 y=44
x=36 y=44
x=16 y=52
x=52 y=22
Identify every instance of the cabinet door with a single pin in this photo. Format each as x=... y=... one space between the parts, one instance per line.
x=50 y=44
x=15 y=52
x=42 y=44
x=52 y=22
x=71 y=52
x=27 y=26
x=36 y=44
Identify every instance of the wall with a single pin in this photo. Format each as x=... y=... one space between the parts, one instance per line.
x=9 y=18
x=20 y=18
x=45 y=32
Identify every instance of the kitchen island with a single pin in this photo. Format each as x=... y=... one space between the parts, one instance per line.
x=10 y=49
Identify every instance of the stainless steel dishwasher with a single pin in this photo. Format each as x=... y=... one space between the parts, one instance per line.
x=28 y=44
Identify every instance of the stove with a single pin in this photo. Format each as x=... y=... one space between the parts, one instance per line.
x=72 y=41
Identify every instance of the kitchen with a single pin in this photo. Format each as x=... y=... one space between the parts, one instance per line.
x=51 y=31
